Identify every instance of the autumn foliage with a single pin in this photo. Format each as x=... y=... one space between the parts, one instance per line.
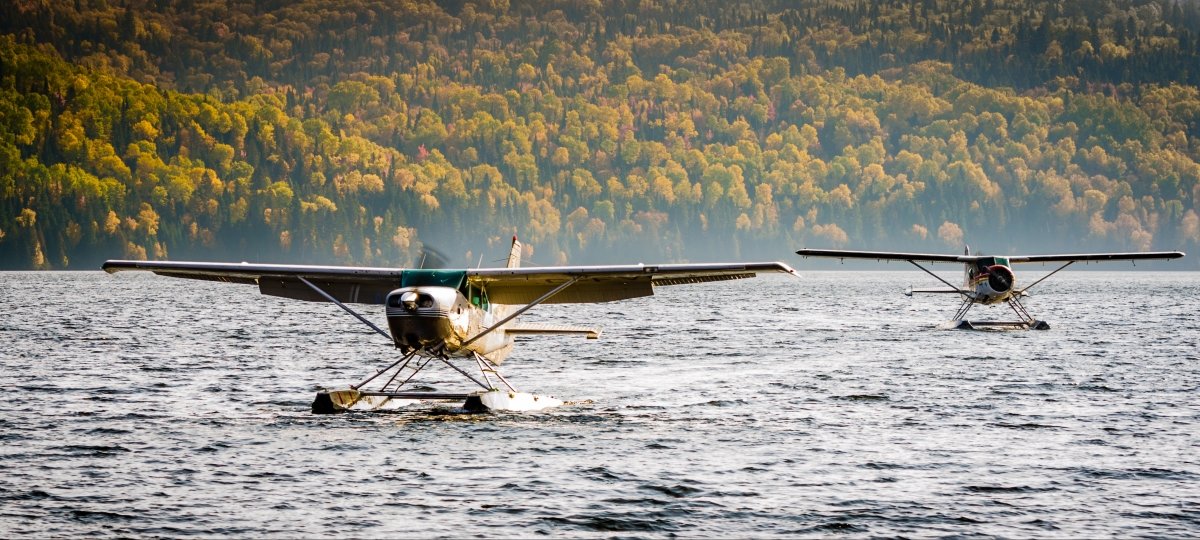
x=354 y=131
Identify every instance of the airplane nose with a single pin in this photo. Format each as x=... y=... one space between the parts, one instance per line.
x=420 y=318
x=1000 y=278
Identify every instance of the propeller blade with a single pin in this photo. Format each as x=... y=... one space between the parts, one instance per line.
x=431 y=259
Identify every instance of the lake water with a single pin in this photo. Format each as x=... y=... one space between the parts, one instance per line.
x=138 y=405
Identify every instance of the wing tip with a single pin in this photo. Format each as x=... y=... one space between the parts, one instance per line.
x=786 y=268
x=114 y=266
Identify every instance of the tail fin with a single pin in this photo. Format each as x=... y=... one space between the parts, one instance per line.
x=514 y=256
x=966 y=268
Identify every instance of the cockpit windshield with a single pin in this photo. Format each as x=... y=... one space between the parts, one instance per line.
x=454 y=279
x=986 y=262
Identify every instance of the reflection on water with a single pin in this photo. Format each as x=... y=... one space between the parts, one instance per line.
x=147 y=406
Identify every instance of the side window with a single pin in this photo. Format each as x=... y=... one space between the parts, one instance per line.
x=478 y=297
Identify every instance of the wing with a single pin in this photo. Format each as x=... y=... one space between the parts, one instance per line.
x=365 y=285
x=886 y=255
x=346 y=283
x=605 y=283
x=927 y=257
x=1135 y=256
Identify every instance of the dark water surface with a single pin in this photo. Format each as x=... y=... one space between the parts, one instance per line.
x=137 y=405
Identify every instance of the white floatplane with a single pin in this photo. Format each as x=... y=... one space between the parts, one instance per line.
x=452 y=317
x=988 y=280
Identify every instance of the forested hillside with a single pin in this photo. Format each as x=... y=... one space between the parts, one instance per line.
x=355 y=131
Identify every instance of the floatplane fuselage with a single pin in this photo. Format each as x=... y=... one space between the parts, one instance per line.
x=433 y=317
x=452 y=317
x=990 y=280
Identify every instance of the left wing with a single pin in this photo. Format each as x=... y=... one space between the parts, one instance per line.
x=1076 y=257
x=365 y=285
x=360 y=285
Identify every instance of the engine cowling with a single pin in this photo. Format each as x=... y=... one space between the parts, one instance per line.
x=1000 y=279
x=420 y=317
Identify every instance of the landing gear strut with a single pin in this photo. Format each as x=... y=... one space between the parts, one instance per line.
x=1026 y=322
x=392 y=394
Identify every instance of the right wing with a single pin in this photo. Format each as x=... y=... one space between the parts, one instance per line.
x=605 y=283
x=885 y=255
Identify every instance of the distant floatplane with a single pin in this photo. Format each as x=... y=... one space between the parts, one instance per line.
x=988 y=280
x=452 y=317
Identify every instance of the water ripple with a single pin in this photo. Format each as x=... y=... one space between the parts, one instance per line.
x=772 y=407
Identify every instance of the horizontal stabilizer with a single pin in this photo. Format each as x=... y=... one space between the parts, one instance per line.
x=533 y=329
x=910 y=291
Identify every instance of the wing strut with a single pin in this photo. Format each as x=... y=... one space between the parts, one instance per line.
x=1022 y=291
x=937 y=277
x=343 y=306
x=523 y=309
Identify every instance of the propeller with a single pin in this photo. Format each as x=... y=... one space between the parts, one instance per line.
x=430 y=258
x=1000 y=278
